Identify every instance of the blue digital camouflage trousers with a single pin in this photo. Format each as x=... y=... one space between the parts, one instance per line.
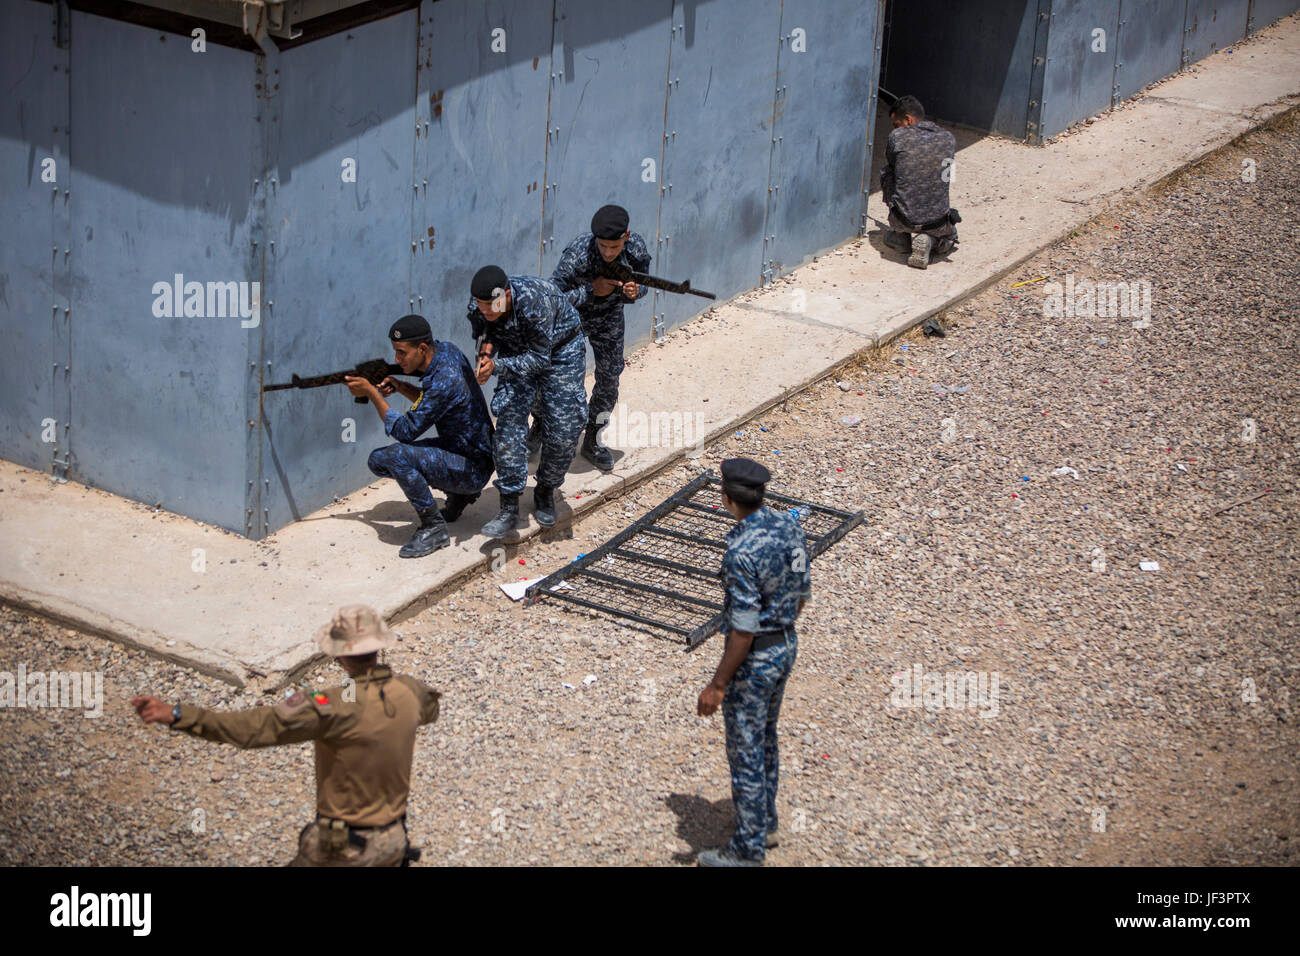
x=420 y=464
x=604 y=330
x=750 y=710
x=560 y=396
x=605 y=333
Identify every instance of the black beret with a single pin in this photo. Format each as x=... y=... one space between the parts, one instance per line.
x=610 y=222
x=489 y=282
x=744 y=472
x=410 y=328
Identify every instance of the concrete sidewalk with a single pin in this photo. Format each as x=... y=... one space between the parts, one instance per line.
x=244 y=610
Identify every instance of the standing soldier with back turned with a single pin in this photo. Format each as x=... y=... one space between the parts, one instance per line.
x=365 y=739
x=765 y=573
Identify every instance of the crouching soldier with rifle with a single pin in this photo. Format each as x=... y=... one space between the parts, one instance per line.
x=459 y=460
x=364 y=731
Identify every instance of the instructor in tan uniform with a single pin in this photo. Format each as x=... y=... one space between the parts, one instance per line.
x=365 y=738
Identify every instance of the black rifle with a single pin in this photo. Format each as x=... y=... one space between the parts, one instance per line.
x=616 y=270
x=374 y=371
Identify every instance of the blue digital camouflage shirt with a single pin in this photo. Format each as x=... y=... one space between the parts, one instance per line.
x=765 y=572
x=541 y=318
x=581 y=262
x=450 y=400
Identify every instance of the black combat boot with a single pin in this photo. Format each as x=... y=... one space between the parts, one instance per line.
x=595 y=452
x=456 y=505
x=544 y=505
x=507 y=520
x=429 y=537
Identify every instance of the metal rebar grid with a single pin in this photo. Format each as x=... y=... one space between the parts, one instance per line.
x=662 y=570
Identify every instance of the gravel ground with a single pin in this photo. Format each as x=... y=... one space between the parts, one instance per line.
x=1124 y=731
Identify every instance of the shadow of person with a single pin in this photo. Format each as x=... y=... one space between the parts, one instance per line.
x=395 y=521
x=702 y=824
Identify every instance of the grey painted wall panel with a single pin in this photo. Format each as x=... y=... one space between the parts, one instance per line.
x=607 y=120
x=718 y=151
x=1078 y=79
x=1266 y=12
x=28 y=115
x=339 y=274
x=1150 y=43
x=162 y=142
x=817 y=166
x=485 y=153
x=1213 y=25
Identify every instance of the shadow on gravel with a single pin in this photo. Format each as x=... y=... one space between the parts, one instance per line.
x=701 y=823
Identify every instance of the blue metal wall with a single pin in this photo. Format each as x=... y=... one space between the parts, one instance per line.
x=1033 y=68
x=735 y=131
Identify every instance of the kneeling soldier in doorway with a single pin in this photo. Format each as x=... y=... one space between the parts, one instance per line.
x=365 y=740
x=765 y=573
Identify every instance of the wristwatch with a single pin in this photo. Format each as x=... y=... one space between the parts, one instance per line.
x=176 y=713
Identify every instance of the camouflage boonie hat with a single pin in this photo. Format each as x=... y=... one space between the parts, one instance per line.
x=355 y=630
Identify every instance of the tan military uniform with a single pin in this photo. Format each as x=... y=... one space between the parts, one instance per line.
x=364 y=749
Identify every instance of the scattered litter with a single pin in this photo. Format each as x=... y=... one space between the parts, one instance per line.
x=740 y=434
x=581 y=556
x=521 y=560
x=1066 y=470
x=959 y=390
x=1014 y=495
x=515 y=589
x=609 y=559
x=564 y=586
x=776 y=451
x=1017 y=285
x=938 y=388
x=1149 y=565
x=839 y=469
x=1024 y=477
x=843 y=386
x=589 y=679
x=933 y=327
x=761 y=428
x=850 y=420
x=171 y=643
x=904 y=346
x=641 y=540
x=569 y=686
x=1180 y=466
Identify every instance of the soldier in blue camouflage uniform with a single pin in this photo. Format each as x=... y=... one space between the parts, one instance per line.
x=914 y=184
x=459 y=460
x=530 y=335
x=765 y=572
x=600 y=304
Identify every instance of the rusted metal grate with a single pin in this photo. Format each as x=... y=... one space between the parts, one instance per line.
x=662 y=570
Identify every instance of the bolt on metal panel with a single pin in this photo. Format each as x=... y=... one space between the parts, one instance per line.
x=159 y=190
x=823 y=92
x=1079 y=76
x=717 y=150
x=337 y=254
